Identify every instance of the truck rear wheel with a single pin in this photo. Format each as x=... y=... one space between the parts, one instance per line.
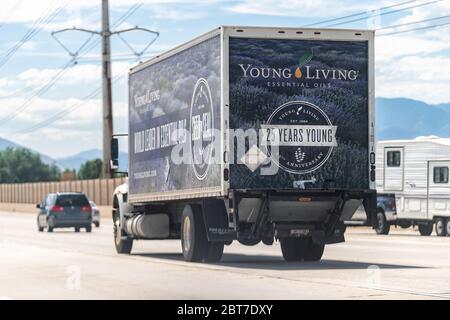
x=214 y=252
x=425 y=229
x=294 y=249
x=123 y=245
x=193 y=234
x=440 y=227
x=383 y=226
x=314 y=252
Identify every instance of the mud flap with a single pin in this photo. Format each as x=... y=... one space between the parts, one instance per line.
x=370 y=206
x=337 y=236
x=216 y=221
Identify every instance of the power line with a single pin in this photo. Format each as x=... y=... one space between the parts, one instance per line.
x=49 y=84
x=43 y=20
x=414 y=29
x=360 y=13
x=61 y=114
x=46 y=87
x=384 y=13
x=414 y=22
x=117 y=23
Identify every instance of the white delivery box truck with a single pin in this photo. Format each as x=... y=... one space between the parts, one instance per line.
x=250 y=134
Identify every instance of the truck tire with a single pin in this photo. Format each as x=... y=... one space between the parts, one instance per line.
x=294 y=249
x=425 y=229
x=123 y=246
x=214 y=252
x=383 y=225
x=314 y=252
x=440 y=227
x=447 y=227
x=88 y=228
x=194 y=242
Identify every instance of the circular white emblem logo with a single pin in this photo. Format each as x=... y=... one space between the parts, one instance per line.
x=299 y=137
x=202 y=124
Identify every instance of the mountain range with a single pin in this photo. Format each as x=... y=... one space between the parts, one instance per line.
x=396 y=118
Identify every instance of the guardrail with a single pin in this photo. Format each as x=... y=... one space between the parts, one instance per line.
x=98 y=190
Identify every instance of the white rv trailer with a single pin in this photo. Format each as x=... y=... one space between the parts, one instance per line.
x=417 y=172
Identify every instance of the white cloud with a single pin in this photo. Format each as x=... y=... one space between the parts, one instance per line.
x=415 y=64
x=31 y=10
x=296 y=8
x=423 y=78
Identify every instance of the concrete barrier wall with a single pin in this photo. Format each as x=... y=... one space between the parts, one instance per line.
x=98 y=190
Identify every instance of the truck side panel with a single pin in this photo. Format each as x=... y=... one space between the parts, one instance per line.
x=174 y=111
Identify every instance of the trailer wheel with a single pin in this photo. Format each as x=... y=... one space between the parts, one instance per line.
x=294 y=249
x=425 y=229
x=383 y=225
x=123 y=246
x=440 y=227
x=314 y=252
x=194 y=242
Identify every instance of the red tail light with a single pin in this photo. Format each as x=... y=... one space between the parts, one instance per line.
x=86 y=208
x=57 y=208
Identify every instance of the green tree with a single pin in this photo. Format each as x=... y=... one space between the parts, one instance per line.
x=91 y=169
x=22 y=165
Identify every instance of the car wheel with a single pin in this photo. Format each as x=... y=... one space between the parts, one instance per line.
x=121 y=242
x=49 y=229
x=97 y=224
x=40 y=229
x=294 y=249
x=426 y=229
x=383 y=226
x=194 y=242
x=440 y=227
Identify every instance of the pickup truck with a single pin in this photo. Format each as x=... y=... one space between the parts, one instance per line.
x=387 y=216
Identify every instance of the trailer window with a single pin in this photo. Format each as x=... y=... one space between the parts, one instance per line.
x=393 y=158
x=440 y=174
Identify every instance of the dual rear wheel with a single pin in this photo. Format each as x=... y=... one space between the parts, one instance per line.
x=194 y=241
x=301 y=249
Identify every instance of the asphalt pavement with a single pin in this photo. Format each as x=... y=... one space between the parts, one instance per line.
x=69 y=265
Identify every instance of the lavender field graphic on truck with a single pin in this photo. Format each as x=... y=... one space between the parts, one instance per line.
x=309 y=99
x=175 y=103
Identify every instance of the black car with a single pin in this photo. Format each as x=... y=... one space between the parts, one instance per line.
x=65 y=210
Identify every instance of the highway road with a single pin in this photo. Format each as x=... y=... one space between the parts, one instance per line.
x=68 y=265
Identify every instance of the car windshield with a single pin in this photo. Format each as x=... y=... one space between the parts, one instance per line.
x=67 y=200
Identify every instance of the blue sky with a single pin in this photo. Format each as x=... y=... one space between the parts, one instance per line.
x=414 y=65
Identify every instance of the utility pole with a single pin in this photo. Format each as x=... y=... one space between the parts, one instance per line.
x=107 y=93
x=105 y=34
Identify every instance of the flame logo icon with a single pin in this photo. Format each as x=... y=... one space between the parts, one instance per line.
x=304 y=59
